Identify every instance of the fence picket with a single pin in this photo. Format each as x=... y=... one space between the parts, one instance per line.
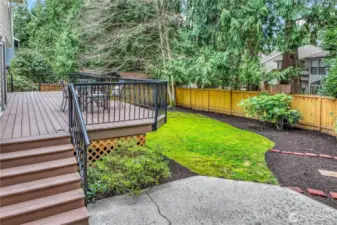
x=319 y=113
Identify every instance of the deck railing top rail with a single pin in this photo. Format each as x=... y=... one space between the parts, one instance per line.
x=79 y=136
x=109 y=102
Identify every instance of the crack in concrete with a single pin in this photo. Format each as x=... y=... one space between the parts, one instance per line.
x=158 y=208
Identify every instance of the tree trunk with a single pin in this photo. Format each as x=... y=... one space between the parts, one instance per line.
x=290 y=57
x=165 y=47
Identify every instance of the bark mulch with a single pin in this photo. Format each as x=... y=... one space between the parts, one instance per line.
x=291 y=170
x=178 y=171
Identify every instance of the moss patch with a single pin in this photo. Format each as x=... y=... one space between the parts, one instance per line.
x=212 y=148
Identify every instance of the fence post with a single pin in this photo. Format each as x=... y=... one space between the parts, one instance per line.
x=208 y=100
x=231 y=102
x=155 y=108
x=190 y=98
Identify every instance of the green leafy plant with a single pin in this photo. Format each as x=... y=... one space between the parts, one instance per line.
x=22 y=83
x=29 y=63
x=272 y=108
x=330 y=82
x=284 y=76
x=127 y=169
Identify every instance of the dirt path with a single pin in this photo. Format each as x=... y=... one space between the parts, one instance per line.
x=291 y=170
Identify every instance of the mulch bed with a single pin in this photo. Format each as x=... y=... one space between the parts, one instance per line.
x=291 y=170
x=178 y=171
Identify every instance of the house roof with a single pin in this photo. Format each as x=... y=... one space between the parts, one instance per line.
x=267 y=58
x=320 y=54
x=306 y=51
x=114 y=72
x=134 y=75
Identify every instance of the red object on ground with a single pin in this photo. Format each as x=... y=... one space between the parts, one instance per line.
x=274 y=150
x=333 y=195
x=310 y=154
x=297 y=189
x=285 y=152
x=316 y=192
x=300 y=154
x=326 y=156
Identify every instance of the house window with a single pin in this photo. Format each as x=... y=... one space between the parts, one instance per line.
x=317 y=67
x=314 y=66
x=321 y=70
x=302 y=64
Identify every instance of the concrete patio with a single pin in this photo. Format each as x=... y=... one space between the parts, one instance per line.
x=206 y=200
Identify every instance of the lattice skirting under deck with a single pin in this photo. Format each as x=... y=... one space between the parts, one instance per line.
x=102 y=147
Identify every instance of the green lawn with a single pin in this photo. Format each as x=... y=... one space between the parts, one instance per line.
x=212 y=148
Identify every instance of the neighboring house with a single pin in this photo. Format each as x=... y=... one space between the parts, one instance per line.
x=311 y=63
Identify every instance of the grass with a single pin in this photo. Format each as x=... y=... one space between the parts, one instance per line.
x=212 y=148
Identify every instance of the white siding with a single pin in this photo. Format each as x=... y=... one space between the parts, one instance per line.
x=5 y=22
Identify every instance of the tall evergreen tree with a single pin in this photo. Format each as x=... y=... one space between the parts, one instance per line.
x=22 y=18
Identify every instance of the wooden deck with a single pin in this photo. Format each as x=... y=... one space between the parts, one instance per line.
x=37 y=114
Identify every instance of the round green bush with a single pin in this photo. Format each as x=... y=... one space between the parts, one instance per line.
x=275 y=109
x=128 y=169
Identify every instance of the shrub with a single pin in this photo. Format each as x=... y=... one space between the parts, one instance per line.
x=127 y=169
x=329 y=82
x=272 y=108
x=22 y=83
x=29 y=63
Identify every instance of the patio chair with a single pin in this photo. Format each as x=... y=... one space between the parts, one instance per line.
x=117 y=92
x=65 y=96
x=93 y=94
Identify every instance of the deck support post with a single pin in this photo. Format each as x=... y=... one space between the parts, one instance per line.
x=155 y=108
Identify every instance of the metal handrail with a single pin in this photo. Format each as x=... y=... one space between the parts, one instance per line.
x=148 y=99
x=79 y=136
x=109 y=83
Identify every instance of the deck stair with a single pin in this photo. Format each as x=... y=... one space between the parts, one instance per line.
x=40 y=185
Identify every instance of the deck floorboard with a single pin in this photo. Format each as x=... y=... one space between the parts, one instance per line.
x=34 y=114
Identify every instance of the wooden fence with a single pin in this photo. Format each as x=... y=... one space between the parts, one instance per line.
x=319 y=113
x=50 y=87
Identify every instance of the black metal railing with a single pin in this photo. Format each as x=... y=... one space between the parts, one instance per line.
x=109 y=102
x=124 y=100
x=79 y=135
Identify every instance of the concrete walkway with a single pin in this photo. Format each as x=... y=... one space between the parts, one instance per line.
x=207 y=201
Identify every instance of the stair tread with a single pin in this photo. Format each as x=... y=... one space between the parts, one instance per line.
x=63 y=218
x=38 y=184
x=35 y=152
x=40 y=203
x=15 y=171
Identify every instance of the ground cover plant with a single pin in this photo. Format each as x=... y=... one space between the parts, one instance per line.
x=212 y=148
x=128 y=169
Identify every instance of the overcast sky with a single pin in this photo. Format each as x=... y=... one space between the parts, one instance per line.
x=31 y=3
